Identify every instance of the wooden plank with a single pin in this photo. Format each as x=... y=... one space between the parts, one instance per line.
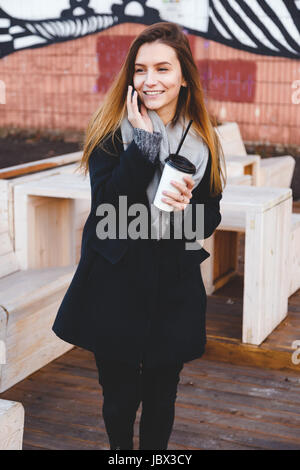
x=231 y=139
x=294 y=255
x=3 y=190
x=51 y=234
x=32 y=285
x=3 y=327
x=265 y=302
x=11 y=425
x=6 y=245
x=58 y=185
x=277 y=171
x=240 y=180
x=218 y=406
x=39 y=165
x=272 y=171
x=27 y=349
x=9 y=264
x=245 y=198
x=233 y=221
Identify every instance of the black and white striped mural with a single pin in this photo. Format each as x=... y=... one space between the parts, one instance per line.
x=268 y=27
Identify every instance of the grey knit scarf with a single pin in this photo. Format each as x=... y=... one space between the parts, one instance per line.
x=193 y=148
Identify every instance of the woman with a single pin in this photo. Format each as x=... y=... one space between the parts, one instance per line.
x=138 y=303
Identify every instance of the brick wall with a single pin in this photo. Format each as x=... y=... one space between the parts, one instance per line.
x=60 y=86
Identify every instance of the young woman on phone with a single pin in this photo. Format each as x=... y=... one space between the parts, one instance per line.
x=139 y=303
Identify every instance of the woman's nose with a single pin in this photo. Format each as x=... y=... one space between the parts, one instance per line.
x=150 y=79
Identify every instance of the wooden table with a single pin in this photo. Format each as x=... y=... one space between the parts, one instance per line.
x=48 y=214
x=265 y=215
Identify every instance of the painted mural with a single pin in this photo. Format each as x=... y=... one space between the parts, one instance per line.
x=268 y=27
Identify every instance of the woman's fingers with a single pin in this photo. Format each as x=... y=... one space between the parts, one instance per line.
x=143 y=110
x=135 y=117
x=186 y=191
x=135 y=103
x=129 y=105
x=190 y=182
x=132 y=103
x=177 y=197
x=179 y=200
x=177 y=205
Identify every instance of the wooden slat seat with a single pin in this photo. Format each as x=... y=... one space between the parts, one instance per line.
x=29 y=301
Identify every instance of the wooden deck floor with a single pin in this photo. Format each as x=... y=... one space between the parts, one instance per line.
x=224 y=331
x=219 y=406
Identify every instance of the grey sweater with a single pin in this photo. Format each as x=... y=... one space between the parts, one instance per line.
x=147 y=142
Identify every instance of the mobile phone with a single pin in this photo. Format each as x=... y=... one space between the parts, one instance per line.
x=138 y=99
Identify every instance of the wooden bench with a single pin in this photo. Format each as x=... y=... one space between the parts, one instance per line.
x=272 y=171
x=265 y=215
x=29 y=303
x=29 y=299
x=11 y=425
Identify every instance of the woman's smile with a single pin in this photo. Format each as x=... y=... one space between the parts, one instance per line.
x=152 y=94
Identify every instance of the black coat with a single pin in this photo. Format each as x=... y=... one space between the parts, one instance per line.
x=133 y=299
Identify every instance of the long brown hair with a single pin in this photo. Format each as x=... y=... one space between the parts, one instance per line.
x=108 y=117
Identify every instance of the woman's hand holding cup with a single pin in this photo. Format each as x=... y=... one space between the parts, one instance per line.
x=181 y=199
x=135 y=117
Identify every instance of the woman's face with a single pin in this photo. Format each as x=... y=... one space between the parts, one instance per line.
x=157 y=68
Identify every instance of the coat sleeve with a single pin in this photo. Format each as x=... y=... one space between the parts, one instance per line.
x=126 y=174
x=212 y=215
x=211 y=208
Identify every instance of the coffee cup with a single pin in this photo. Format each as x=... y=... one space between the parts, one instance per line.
x=176 y=166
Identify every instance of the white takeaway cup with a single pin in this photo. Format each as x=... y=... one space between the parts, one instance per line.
x=176 y=167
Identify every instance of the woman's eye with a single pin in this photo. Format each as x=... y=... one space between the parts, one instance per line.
x=140 y=70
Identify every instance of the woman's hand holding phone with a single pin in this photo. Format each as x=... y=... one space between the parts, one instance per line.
x=137 y=118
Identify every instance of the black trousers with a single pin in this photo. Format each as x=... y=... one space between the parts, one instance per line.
x=124 y=388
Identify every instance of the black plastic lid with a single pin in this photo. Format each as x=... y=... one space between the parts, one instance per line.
x=181 y=163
